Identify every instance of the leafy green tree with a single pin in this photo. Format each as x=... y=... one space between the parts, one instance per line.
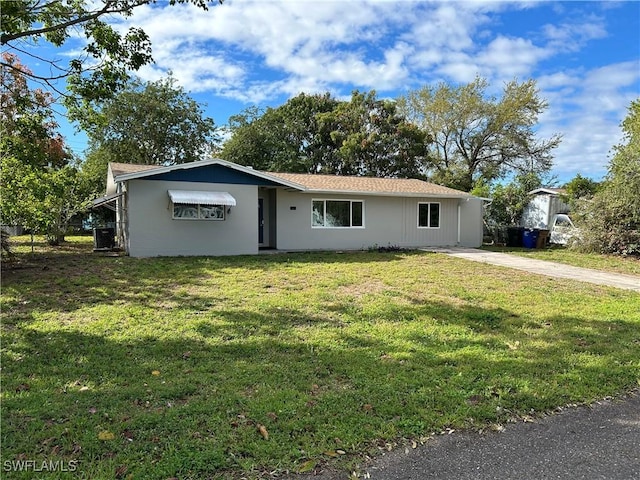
x=41 y=199
x=102 y=67
x=286 y=138
x=610 y=222
x=580 y=188
x=318 y=134
x=38 y=181
x=154 y=123
x=372 y=139
x=509 y=201
x=477 y=136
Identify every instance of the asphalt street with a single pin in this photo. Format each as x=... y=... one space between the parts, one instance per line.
x=600 y=441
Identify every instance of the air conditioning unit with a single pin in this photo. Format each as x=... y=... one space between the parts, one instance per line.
x=104 y=238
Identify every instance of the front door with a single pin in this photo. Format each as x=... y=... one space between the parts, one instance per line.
x=261 y=221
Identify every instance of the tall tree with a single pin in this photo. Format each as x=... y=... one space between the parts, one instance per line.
x=319 y=134
x=579 y=189
x=108 y=55
x=371 y=139
x=37 y=178
x=509 y=201
x=154 y=123
x=26 y=116
x=610 y=221
x=286 y=138
x=479 y=137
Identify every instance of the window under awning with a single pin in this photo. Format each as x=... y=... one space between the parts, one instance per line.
x=204 y=198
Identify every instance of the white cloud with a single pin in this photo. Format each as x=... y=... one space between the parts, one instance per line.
x=510 y=57
x=261 y=52
x=572 y=37
x=587 y=107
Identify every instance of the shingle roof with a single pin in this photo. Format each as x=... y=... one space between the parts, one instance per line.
x=334 y=183
x=346 y=184
x=123 y=168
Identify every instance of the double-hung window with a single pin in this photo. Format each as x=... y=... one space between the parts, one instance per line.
x=337 y=214
x=428 y=215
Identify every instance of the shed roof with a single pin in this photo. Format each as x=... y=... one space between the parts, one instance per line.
x=549 y=191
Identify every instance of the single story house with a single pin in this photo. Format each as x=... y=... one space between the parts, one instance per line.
x=545 y=204
x=215 y=207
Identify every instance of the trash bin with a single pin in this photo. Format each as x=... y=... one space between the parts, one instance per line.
x=514 y=236
x=104 y=238
x=529 y=238
x=543 y=236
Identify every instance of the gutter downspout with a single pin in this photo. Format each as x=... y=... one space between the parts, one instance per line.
x=120 y=218
x=459 y=221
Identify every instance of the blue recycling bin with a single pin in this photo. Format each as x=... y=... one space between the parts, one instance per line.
x=530 y=238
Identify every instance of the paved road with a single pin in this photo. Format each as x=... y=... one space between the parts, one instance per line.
x=600 y=441
x=597 y=442
x=542 y=267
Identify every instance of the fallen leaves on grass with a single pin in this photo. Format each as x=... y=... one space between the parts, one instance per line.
x=334 y=453
x=263 y=431
x=106 y=435
x=307 y=466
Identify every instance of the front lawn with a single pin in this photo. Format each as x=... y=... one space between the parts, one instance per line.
x=250 y=366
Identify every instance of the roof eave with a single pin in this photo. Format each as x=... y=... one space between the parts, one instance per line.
x=388 y=194
x=204 y=163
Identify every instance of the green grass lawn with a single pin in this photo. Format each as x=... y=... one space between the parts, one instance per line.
x=609 y=263
x=182 y=367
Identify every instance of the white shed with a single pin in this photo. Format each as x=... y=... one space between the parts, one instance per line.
x=544 y=205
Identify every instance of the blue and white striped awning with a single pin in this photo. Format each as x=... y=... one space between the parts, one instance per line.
x=192 y=197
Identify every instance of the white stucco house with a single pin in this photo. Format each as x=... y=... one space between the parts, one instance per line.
x=214 y=207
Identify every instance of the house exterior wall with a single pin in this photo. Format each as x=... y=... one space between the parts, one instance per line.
x=153 y=232
x=387 y=220
x=471 y=222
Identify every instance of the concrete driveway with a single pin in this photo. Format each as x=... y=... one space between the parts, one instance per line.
x=542 y=267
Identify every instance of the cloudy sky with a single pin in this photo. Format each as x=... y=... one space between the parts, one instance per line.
x=585 y=56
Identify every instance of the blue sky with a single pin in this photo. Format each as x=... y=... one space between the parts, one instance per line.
x=585 y=57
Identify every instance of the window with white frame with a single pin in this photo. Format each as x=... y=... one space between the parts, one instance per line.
x=428 y=215
x=186 y=211
x=337 y=213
